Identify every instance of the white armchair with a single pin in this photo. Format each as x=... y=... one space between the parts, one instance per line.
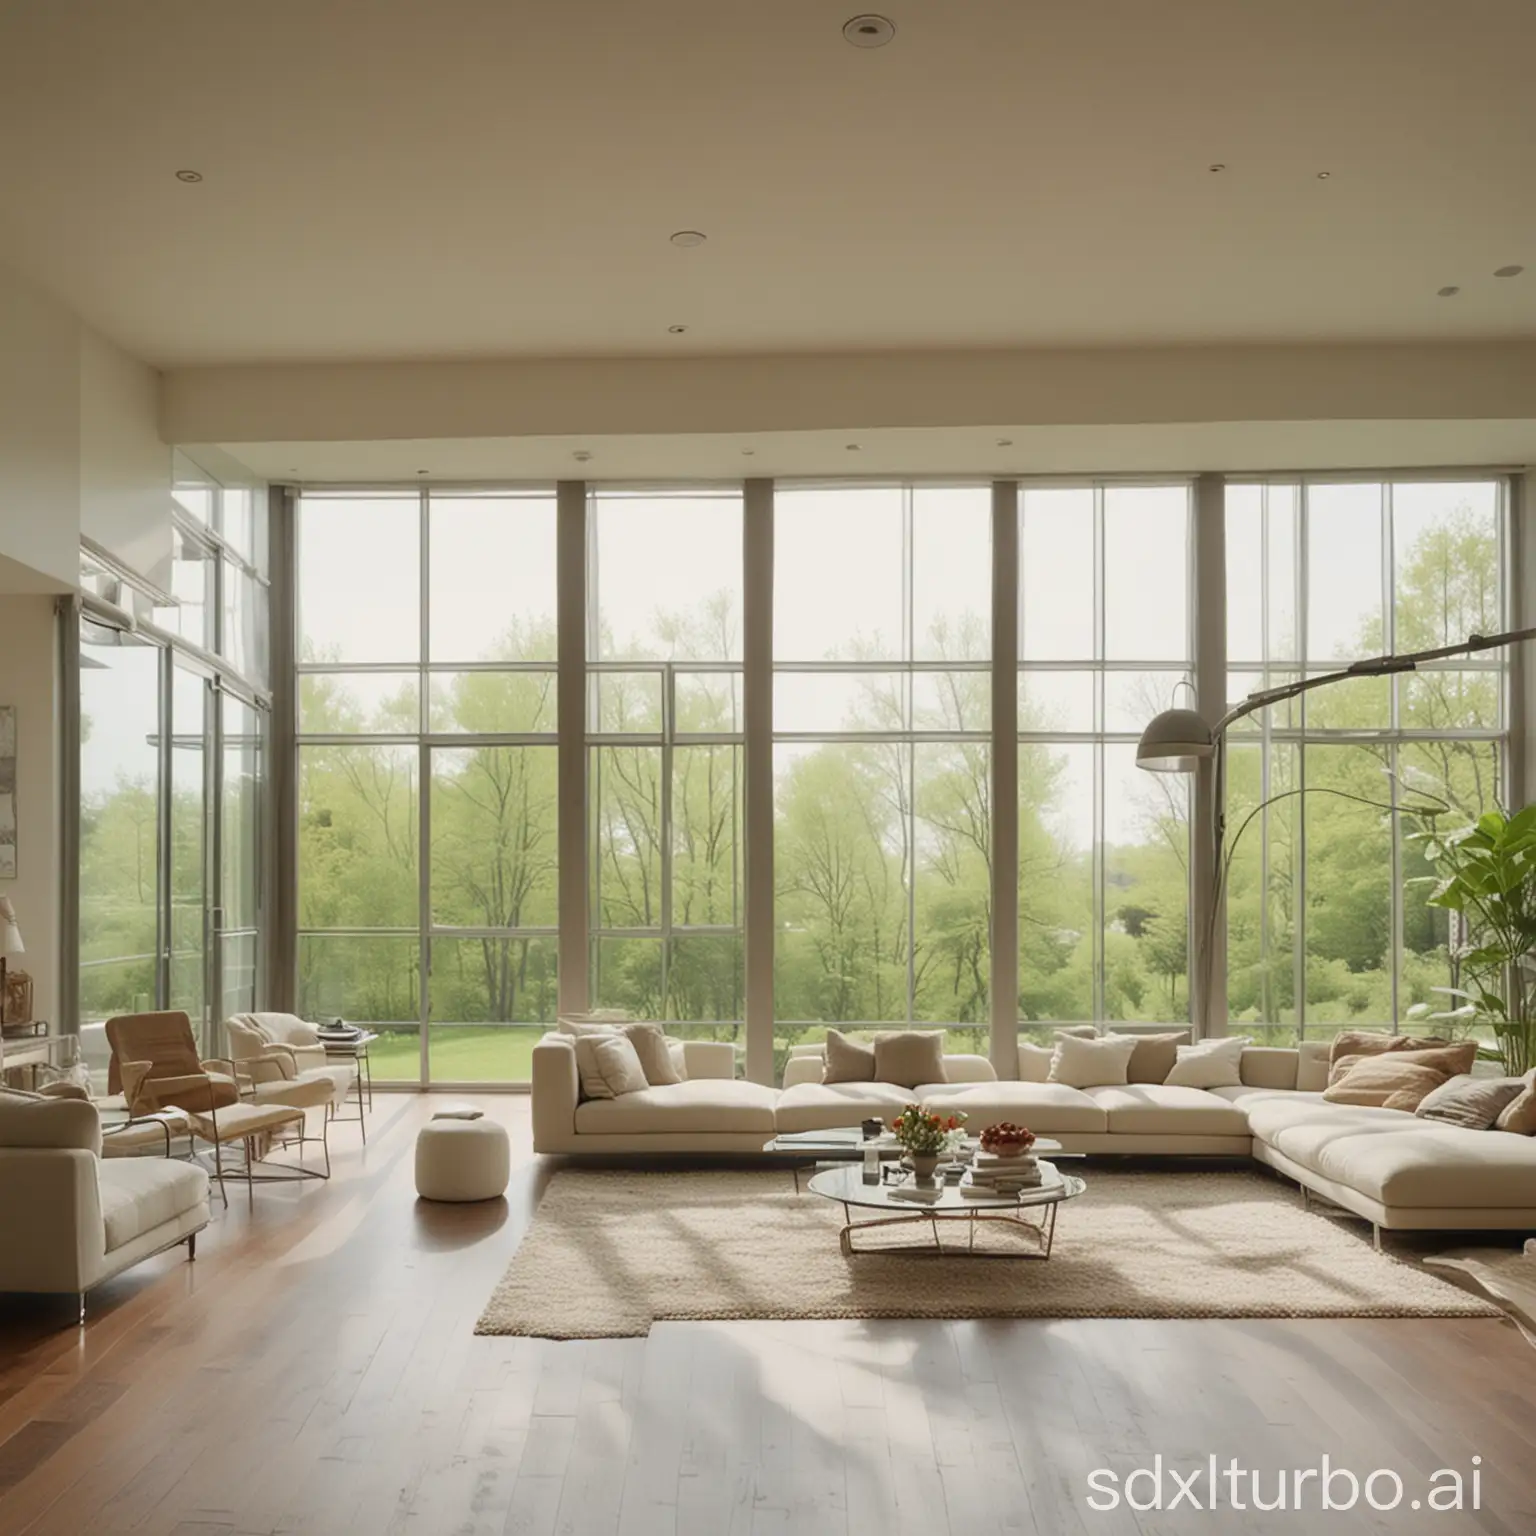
x=280 y=1060
x=71 y=1220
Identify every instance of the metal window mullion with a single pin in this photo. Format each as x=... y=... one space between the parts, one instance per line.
x=1394 y=721
x=576 y=611
x=668 y=724
x=67 y=641
x=909 y=650
x=1299 y=878
x=163 y=841
x=1006 y=896
x=757 y=787
x=424 y=789
x=1099 y=787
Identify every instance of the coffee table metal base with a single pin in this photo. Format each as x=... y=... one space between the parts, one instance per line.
x=1041 y=1232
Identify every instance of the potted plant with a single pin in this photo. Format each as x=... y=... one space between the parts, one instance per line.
x=1486 y=875
x=926 y=1136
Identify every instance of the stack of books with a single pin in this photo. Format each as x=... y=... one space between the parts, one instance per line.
x=992 y=1174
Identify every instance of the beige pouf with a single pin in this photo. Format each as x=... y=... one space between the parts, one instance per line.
x=462 y=1159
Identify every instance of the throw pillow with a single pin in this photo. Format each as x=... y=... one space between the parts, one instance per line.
x=1209 y=1064
x=850 y=1061
x=584 y=1024
x=1473 y=1102
x=1369 y=1042
x=1081 y=1063
x=1519 y=1115
x=651 y=1046
x=1154 y=1056
x=608 y=1066
x=1034 y=1062
x=1387 y=1080
x=679 y=1058
x=910 y=1057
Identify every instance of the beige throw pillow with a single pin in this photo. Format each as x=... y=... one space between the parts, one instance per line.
x=1209 y=1064
x=1473 y=1102
x=608 y=1066
x=1082 y=1063
x=1369 y=1042
x=849 y=1061
x=1154 y=1056
x=679 y=1057
x=1389 y=1080
x=1034 y=1062
x=910 y=1057
x=1519 y=1115
x=654 y=1050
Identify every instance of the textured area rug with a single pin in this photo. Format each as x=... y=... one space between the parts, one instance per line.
x=608 y=1254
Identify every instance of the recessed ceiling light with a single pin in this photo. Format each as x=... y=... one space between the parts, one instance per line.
x=688 y=237
x=1324 y=175
x=1216 y=168
x=423 y=471
x=1508 y=271
x=1005 y=442
x=747 y=453
x=677 y=330
x=189 y=175
x=869 y=31
x=1448 y=292
x=581 y=455
x=852 y=447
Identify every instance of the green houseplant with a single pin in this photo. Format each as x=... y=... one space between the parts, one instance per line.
x=1486 y=875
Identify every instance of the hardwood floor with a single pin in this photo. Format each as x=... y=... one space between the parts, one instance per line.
x=315 y=1371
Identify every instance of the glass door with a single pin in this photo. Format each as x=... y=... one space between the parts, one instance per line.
x=186 y=951
x=235 y=918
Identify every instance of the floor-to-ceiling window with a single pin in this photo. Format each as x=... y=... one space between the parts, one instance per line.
x=171 y=742
x=427 y=775
x=664 y=774
x=1105 y=623
x=882 y=776
x=1327 y=922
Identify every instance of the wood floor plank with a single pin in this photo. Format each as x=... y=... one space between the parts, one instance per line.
x=316 y=1372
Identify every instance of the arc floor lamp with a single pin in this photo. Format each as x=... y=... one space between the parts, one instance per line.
x=1179 y=740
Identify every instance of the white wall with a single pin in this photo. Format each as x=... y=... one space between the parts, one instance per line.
x=39 y=434
x=29 y=681
x=125 y=469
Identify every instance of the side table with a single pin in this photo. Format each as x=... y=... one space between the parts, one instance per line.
x=356 y=1051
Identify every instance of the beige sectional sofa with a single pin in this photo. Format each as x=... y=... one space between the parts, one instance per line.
x=1394 y=1169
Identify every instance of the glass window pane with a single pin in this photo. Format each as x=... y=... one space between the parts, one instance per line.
x=707 y=856
x=624 y=703
x=1262 y=889
x=839 y=703
x=192 y=569
x=952 y=701
x=193 y=490
x=357 y=837
x=705 y=983
x=1441 y=700
x=359 y=578
x=1245 y=572
x=1349 y=889
x=237 y=519
x=708 y=703
x=1131 y=699
x=237 y=963
x=952 y=573
x=494 y=843
x=838 y=577
x=624 y=790
x=491 y=999
x=1146 y=573
x=1344 y=617
x=1353 y=704
x=370 y=981
x=951 y=943
x=666 y=577
x=359 y=703
x=1445 y=545
x=1056 y=885
x=240 y=839
x=493 y=703
x=626 y=973
x=1056 y=575
x=244 y=638
x=1146 y=881
x=189 y=849
x=842 y=852
x=492 y=578
x=1056 y=701
x=119 y=825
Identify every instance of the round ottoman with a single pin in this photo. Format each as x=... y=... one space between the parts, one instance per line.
x=460 y=1159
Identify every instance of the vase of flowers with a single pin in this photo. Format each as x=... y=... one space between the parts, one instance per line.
x=926 y=1136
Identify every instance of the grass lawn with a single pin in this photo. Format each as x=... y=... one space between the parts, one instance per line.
x=461 y=1053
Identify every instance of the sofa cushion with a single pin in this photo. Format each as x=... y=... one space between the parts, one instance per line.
x=1034 y=1062
x=34 y=1120
x=701 y=1104
x=1154 y=1056
x=1083 y=1063
x=1248 y=1094
x=1213 y=1063
x=1045 y=1108
x=1397 y=1079
x=821 y=1106
x=1519 y=1115
x=1474 y=1103
x=1154 y=1109
x=139 y=1194
x=655 y=1053
x=1272 y=1066
x=848 y=1060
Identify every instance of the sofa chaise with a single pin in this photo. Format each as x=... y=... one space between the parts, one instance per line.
x=1392 y=1168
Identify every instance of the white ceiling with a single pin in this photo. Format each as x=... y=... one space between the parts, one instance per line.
x=490 y=178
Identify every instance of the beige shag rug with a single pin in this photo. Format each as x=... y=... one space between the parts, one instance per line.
x=609 y=1253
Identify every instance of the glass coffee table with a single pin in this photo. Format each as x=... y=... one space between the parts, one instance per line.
x=1030 y=1213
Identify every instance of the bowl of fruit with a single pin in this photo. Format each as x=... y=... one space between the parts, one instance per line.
x=1007 y=1139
